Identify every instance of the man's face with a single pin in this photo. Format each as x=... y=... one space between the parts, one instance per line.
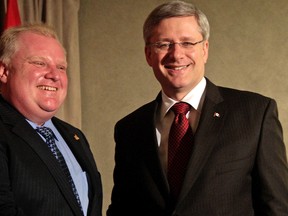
x=178 y=69
x=35 y=82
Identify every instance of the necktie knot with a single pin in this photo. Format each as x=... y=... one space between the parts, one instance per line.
x=46 y=132
x=180 y=108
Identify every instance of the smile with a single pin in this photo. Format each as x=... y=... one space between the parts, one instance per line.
x=47 y=88
x=177 y=68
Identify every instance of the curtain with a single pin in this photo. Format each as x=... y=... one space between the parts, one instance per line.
x=63 y=16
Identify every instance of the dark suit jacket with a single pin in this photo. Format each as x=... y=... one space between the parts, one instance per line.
x=31 y=180
x=238 y=166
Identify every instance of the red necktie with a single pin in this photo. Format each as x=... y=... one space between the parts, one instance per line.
x=179 y=148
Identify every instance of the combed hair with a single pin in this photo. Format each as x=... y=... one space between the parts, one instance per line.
x=175 y=9
x=8 y=40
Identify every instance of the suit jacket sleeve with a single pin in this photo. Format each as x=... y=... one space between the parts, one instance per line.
x=270 y=176
x=7 y=203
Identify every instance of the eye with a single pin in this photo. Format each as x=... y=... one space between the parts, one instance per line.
x=62 y=67
x=38 y=63
x=163 y=45
x=187 y=44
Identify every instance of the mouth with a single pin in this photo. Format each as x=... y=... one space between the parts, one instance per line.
x=171 y=67
x=47 y=88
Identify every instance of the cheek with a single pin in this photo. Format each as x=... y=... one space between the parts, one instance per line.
x=17 y=79
x=153 y=59
x=64 y=86
x=197 y=57
x=64 y=79
x=65 y=82
x=148 y=56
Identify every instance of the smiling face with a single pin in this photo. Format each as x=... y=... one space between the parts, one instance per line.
x=35 y=81
x=178 y=69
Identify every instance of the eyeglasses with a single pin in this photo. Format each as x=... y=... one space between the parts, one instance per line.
x=165 y=46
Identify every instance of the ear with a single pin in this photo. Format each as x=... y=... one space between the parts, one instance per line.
x=148 y=53
x=205 y=51
x=3 y=72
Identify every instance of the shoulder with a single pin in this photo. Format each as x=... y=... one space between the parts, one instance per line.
x=243 y=97
x=230 y=92
x=65 y=127
x=236 y=96
x=240 y=102
x=59 y=122
x=247 y=104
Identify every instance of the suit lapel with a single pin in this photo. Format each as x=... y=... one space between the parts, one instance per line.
x=150 y=147
x=211 y=121
x=80 y=149
x=31 y=138
x=77 y=144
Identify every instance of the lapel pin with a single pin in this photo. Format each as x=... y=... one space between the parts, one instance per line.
x=76 y=137
x=216 y=115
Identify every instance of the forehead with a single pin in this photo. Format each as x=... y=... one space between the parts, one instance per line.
x=30 y=43
x=186 y=26
x=31 y=39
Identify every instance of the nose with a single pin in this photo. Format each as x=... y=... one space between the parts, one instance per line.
x=53 y=73
x=176 y=51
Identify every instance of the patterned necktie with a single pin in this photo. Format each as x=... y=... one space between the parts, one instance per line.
x=48 y=134
x=179 y=148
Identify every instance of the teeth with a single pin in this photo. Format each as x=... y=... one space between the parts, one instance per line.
x=47 y=88
x=177 y=68
x=180 y=68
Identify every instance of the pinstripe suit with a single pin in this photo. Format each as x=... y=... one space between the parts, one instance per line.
x=31 y=180
x=238 y=165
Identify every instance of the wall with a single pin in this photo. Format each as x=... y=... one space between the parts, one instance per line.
x=248 y=50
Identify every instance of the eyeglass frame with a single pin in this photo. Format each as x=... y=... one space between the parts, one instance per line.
x=170 y=44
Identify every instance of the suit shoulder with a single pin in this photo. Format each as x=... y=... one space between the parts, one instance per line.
x=243 y=96
x=63 y=124
x=236 y=97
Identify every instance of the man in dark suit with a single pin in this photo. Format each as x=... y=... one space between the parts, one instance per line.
x=34 y=179
x=236 y=163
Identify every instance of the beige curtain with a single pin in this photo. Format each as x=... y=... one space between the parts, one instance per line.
x=63 y=16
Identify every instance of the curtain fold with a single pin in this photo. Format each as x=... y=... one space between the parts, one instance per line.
x=63 y=16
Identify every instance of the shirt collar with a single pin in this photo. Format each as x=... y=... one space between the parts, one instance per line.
x=48 y=123
x=193 y=98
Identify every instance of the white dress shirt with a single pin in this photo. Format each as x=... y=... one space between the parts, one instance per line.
x=165 y=117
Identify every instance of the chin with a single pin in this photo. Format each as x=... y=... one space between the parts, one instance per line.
x=50 y=108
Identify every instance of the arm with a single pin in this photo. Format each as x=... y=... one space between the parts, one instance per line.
x=270 y=176
x=7 y=203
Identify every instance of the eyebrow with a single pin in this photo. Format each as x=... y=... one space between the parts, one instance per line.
x=31 y=58
x=181 y=39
